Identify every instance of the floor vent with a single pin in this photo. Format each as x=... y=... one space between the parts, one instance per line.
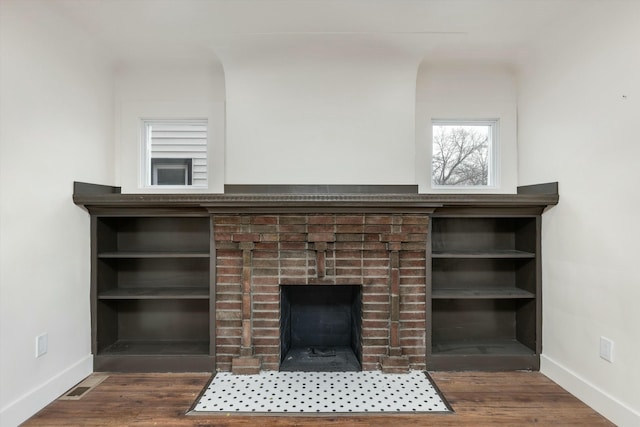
x=78 y=391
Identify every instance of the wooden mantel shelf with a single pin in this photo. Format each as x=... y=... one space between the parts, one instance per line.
x=98 y=196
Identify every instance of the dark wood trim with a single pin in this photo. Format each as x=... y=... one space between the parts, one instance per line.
x=320 y=189
x=546 y=188
x=283 y=203
x=489 y=362
x=87 y=188
x=151 y=363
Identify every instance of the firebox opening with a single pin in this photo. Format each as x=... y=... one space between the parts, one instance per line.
x=320 y=328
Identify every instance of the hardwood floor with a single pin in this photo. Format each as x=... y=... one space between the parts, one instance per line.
x=478 y=398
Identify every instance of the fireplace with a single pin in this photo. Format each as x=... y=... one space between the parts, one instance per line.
x=320 y=328
x=357 y=279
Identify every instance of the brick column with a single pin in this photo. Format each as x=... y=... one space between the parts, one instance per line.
x=394 y=362
x=246 y=363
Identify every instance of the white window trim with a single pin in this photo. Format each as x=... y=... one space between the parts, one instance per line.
x=494 y=153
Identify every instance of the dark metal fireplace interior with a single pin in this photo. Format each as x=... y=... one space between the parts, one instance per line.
x=320 y=328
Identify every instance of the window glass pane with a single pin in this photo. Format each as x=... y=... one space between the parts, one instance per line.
x=171 y=176
x=462 y=154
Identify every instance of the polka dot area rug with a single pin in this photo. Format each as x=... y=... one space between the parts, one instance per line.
x=273 y=392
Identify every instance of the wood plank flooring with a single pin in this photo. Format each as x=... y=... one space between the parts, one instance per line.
x=478 y=398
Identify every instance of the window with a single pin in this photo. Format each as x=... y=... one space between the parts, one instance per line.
x=175 y=153
x=464 y=153
x=171 y=171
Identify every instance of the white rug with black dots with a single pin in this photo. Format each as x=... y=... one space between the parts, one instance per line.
x=321 y=393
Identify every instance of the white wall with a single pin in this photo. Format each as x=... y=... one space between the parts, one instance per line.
x=319 y=110
x=467 y=90
x=168 y=91
x=56 y=126
x=579 y=111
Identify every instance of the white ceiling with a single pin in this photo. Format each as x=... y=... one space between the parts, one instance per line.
x=169 y=30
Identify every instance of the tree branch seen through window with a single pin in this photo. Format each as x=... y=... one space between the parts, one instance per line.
x=462 y=154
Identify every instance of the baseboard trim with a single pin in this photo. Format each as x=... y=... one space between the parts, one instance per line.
x=608 y=406
x=31 y=402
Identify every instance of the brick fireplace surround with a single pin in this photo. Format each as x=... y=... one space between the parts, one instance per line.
x=384 y=253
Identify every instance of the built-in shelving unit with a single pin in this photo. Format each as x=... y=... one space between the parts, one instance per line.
x=485 y=290
x=152 y=286
x=152 y=298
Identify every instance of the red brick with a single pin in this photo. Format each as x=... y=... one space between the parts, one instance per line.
x=412 y=281
x=376 y=315
x=412 y=342
x=224 y=219
x=375 y=333
x=266 y=297
x=223 y=305
x=419 y=229
x=321 y=219
x=375 y=281
x=292 y=228
x=228 y=297
x=227 y=314
x=373 y=298
x=265 y=262
x=415 y=219
x=321 y=228
x=346 y=237
x=292 y=237
x=223 y=270
x=415 y=298
x=413 y=246
x=412 y=315
x=341 y=262
x=349 y=219
x=301 y=280
x=268 y=315
x=246 y=237
x=373 y=272
x=350 y=228
x=348 y=271
x=228 y=341
x=234 y=259
x=321 y=237
x=377 y=229
x=265 y=280
x=266 y=306
x=349 y=246
x=292 y=219
x=378 y=219
x=266 y=323
x=264 y=219
x=375 y=250
x=263 y=229
x=228 y=323
x=266 y=341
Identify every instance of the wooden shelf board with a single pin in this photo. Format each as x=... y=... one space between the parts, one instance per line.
x=489 y=293
x=154 y=293
x=483 y=254
x=495 y=347
x=153 y=255
x=156 y=348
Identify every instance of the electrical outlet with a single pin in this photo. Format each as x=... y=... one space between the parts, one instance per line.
x=42 y=343
x=606 y=349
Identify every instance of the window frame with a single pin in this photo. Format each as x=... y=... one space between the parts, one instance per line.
x=493 y=178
